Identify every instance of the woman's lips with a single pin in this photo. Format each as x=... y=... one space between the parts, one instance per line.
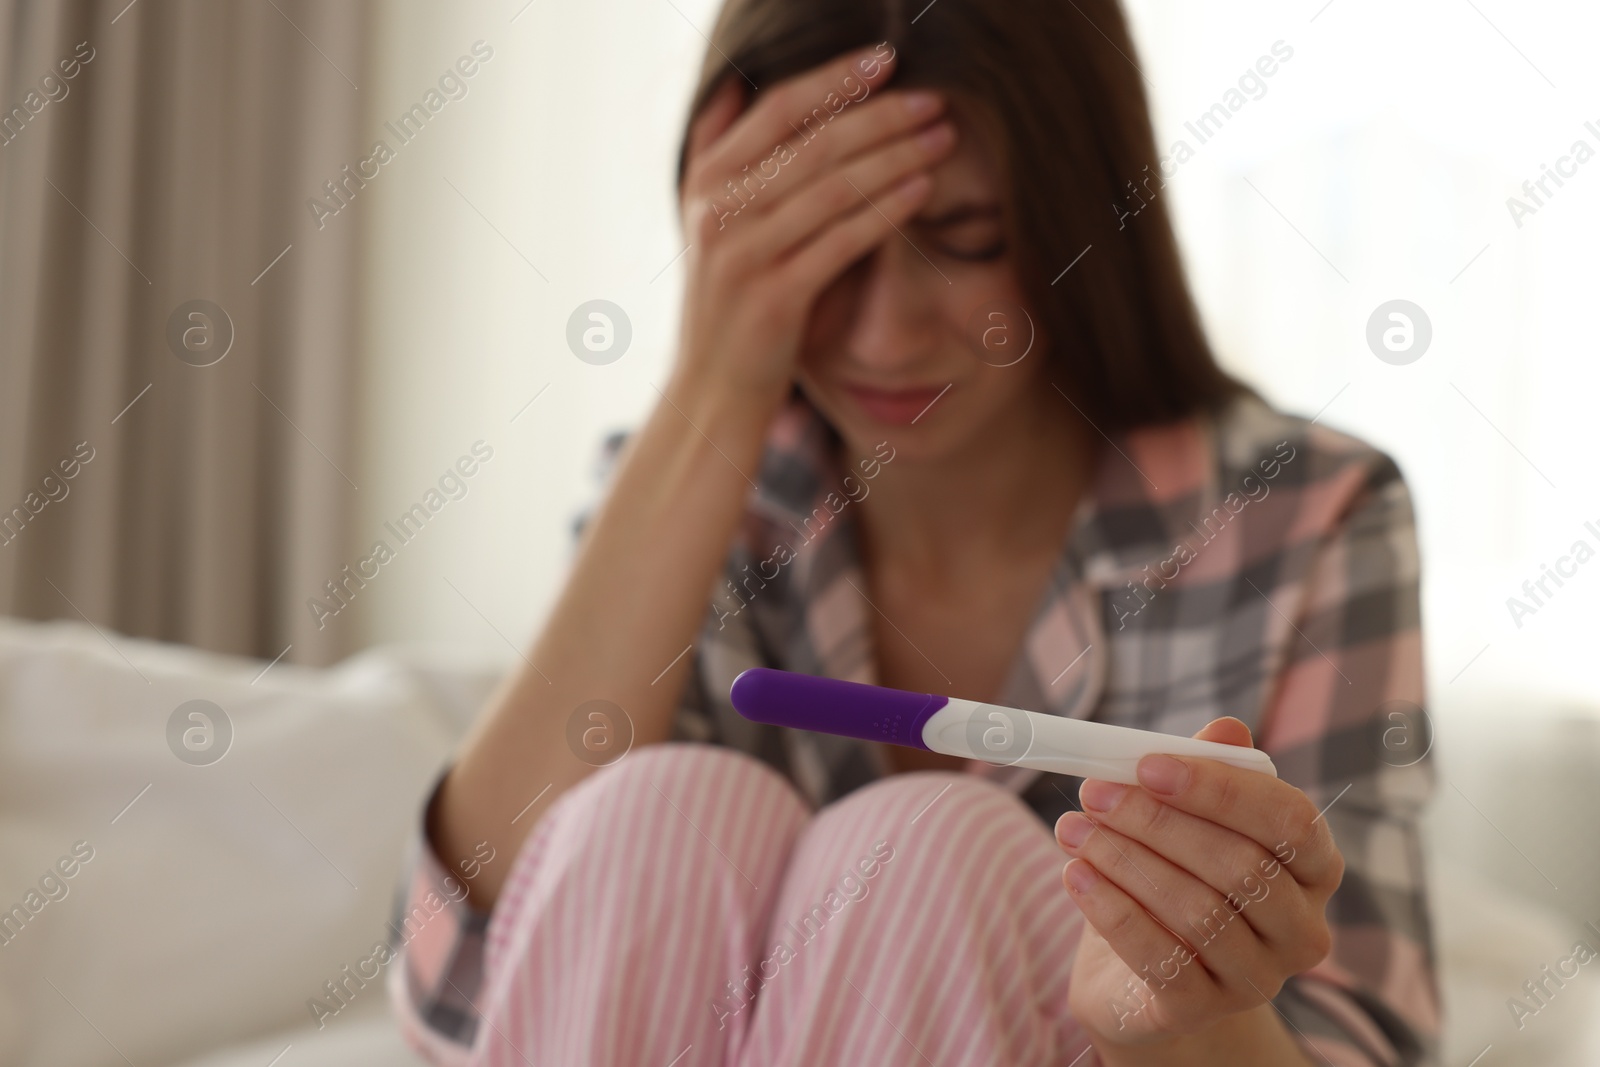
x=900 y=407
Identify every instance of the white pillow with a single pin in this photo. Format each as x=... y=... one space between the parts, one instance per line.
x=224 y=897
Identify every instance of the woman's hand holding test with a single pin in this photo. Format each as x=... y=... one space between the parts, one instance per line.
x=1206 y=888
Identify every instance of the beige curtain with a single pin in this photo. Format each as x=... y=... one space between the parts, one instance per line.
x=155 y=154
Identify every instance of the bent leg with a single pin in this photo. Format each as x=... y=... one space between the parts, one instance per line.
x=922 y=920
x=638 y=897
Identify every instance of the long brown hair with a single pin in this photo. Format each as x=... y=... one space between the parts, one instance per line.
x=1059 y=85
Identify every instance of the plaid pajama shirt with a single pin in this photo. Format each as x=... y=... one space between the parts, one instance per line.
x=1242 y=563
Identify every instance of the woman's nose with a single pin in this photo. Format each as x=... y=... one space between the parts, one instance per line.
x=896 y=314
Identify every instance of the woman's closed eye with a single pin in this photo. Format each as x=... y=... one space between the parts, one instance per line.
x=973 y=251
x=970 y=232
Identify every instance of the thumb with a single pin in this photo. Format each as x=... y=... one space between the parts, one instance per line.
x=1226 y=731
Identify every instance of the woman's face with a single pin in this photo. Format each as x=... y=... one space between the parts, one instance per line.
x=925 y=342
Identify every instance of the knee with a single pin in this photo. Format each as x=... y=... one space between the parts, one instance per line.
x=674 y=761
x=970 y=815
x=683 y=780
x=937 y=799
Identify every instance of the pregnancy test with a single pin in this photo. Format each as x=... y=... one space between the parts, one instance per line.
x=966 y=728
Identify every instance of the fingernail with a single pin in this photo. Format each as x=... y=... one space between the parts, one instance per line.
x=1082 y=877
x=935 y=137
x=1101 y=796
x=1163 y=774
x=1072 y=830
x=922 y=103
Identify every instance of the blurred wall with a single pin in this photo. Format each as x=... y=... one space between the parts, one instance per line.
x=549 y=184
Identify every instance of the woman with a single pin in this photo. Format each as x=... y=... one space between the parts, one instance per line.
x=950 y=405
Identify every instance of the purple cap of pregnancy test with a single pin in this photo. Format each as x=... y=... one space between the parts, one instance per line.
x=831 y=706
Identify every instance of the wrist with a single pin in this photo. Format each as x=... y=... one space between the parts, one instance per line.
x=733 y=418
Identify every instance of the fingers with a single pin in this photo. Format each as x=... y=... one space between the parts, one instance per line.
x=1267 y=810
x=1160 y=960
x=1226 y=945
x=852 y=186
x=809 y=156
x=817 y=263
x=809 y=206
x=1276 y=909
x=776 y=114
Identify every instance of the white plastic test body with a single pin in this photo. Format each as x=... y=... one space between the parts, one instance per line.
x=1067 y=746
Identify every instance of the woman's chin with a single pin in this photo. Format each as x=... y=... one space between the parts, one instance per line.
x=944 y=429
x=925 y=441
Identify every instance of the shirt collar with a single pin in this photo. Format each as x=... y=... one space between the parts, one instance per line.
x=1151 y=486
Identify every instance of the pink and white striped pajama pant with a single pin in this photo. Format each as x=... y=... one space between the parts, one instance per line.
x=683 y=908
